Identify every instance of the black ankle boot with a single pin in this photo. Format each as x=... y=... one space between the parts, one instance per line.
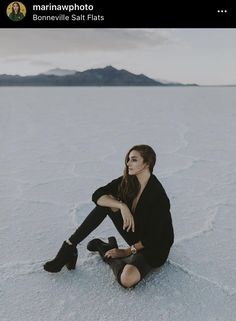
x=67 y=256
x=102 y=247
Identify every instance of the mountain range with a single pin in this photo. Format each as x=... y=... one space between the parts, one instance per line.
x=108 y=76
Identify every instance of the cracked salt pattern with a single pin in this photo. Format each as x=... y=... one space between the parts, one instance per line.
x=59 y=144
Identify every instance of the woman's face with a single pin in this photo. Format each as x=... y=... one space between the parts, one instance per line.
x=16 y=7
x=135 y=163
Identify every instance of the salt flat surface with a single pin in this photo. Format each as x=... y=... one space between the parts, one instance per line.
x=59 y=144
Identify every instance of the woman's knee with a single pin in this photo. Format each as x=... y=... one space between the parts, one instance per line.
x=130 y=276
x=101 y=209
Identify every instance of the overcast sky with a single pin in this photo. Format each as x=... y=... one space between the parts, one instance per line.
x=202 y=56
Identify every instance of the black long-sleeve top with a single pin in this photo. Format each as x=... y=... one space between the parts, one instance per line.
x=152 y=218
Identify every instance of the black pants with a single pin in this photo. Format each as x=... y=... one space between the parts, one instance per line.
x=93 y=220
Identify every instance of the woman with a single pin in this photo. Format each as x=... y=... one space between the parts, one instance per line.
x=140 y=210
x=16 y=14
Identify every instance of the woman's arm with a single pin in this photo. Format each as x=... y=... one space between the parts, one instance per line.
x=109 y=201
x=139 y=246
x=103 y=197
x=109 y=189
x=115 y=253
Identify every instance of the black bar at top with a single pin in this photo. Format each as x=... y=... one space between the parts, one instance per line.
x=126 y=14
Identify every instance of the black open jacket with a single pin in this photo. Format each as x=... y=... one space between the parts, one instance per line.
x=152 y=218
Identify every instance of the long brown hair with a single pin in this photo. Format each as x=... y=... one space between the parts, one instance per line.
x=130 y=186
x=12 y=8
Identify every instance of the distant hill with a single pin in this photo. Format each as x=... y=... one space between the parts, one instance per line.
x=59 y=72
x=108 y=76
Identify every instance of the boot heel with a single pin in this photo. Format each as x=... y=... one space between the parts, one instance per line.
x=72 y=263
x=112 y=242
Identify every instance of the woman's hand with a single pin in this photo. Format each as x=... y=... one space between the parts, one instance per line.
x=128 y=220
x=115 y=253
